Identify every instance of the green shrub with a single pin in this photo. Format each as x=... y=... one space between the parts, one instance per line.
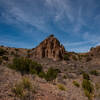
x=88 y=88
x=66 y=57
x=86 y=76
x=5 y=58
x=97 y=85
x=61 y=87
x=76 y=83
x=0 y=60
x=25 y=65
x=2 y=52
x=18 y=90
x=94 y=72
x=26 y=83
x=42 y=74
x=51 y=74
x=86 y=84
x=87 y=94
x=23 y=88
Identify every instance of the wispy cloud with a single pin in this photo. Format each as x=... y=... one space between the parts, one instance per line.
x=61 y=8
x=77 y=19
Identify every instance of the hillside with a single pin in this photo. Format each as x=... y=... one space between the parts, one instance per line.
x=49 y=72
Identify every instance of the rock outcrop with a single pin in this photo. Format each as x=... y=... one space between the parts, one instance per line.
x=95 y=51
x=50 y=48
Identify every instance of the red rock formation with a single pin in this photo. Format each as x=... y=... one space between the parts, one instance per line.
x=50 y=48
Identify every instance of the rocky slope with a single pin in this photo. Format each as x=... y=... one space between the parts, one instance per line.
x=50 y=54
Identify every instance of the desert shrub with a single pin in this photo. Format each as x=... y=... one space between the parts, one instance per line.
x=0 y=60
x=86 y=76
x=18 y=90
x=5 y=58
x=26 y=83
x=23 y=89
x=42 y=74
x=35 y=68
x=74 y=57
x=65 y=77
x=76 y=83
x=86 y=84
x=25 y=65
x=97 y=85
x=51 y=74
x=88 y=88
x=61 y=87
x=66 y=57
x=94 y=72
x=2 y=52
x=87 y=94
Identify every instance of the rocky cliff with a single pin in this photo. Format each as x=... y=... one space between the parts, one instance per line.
x=50 y=48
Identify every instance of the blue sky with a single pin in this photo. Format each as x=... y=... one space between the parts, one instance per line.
x=25 y=23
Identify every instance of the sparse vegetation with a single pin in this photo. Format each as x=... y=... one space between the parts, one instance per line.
x=0 y=60
x=2 y=52
x=23 y=88
x=42 y=74
x=25 y=65
x=51 y=74
x=86 y=76
x=61 y=87
x=73 y=66
x=18 y=90
x=87 y=94
x=97 y=86
x=86 y=84
x=26 y=83
x=88 y=88
x=94 y=72
x=66 y=57
x=74 y=57
x=76 y=83
x=5 y=58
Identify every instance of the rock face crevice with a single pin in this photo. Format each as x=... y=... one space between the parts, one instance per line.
x=50 y=48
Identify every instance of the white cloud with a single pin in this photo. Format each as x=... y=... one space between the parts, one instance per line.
x=15 y=14
x=62 y=8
